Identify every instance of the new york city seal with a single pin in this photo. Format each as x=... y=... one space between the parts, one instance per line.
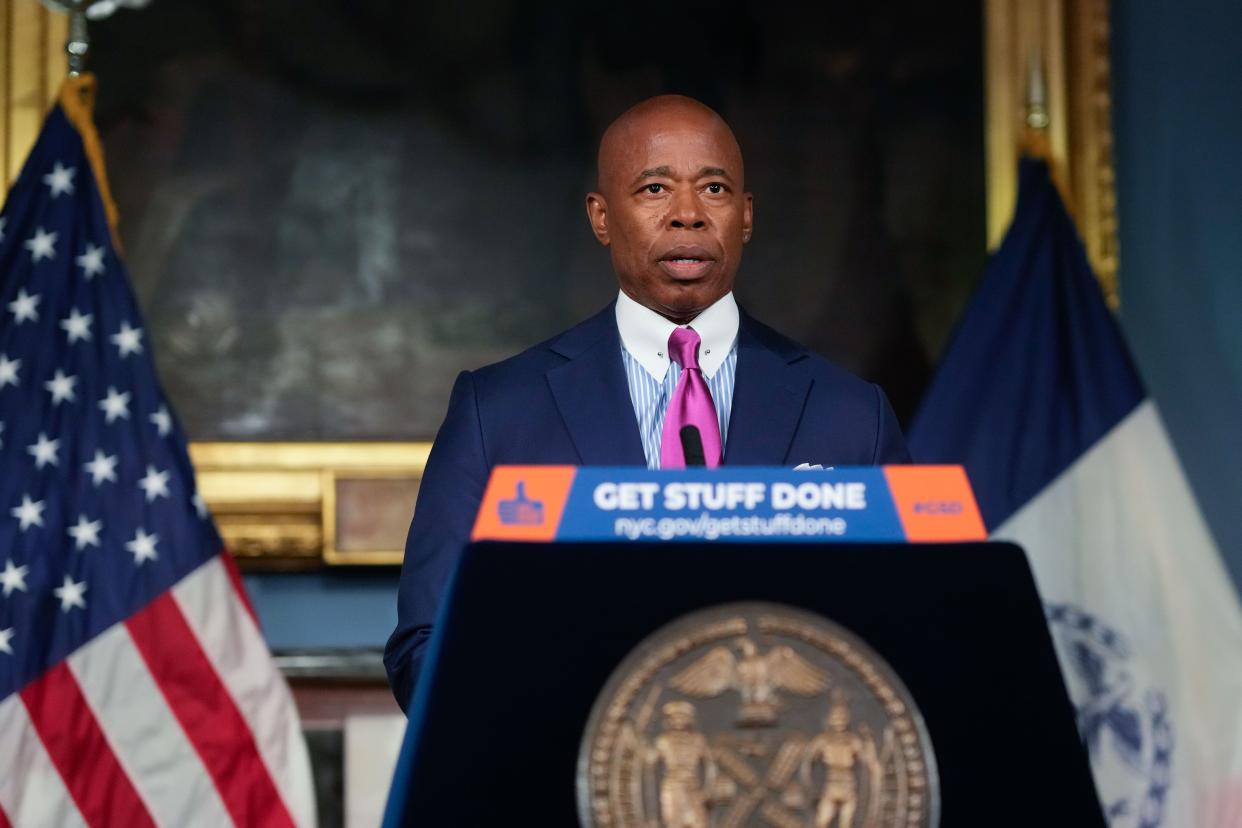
x=755 y=714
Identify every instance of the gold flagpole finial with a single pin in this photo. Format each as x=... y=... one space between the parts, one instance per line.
x=1035 y=139
x=1036 y=94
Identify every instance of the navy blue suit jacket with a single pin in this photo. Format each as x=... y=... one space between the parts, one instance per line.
x=566 y=401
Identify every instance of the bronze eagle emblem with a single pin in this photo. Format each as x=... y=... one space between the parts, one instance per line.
x=755 y=677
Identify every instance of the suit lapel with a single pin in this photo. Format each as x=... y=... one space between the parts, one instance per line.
x=768 y=399
x=593 y=396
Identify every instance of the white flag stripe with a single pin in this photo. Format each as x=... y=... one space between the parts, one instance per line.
x=235 y=647
x=31 y=790
x=1120 y=535
x=146 y=738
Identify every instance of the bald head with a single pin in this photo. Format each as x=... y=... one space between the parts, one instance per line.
x=640 y=122
x=671 y=205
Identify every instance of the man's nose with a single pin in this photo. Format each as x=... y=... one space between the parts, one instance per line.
x=687 y=212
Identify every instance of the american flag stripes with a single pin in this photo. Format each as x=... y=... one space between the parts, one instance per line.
x=135 y=686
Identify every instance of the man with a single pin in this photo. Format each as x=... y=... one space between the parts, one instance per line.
x=673 y=350
x=689 y=770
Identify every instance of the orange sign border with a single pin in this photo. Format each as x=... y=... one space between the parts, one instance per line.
x=935 y=504
x=549 y=485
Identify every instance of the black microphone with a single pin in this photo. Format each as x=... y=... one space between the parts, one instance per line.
x=692 y=446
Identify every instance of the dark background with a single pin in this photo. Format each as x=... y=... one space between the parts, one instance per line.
x=329 y=209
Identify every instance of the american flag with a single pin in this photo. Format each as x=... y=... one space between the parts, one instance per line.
x=135 y=685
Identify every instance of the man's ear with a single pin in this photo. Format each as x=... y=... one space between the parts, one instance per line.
x=597 y=214
x=748 y=217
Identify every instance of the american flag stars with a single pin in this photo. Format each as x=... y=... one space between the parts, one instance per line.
x=8 y=371
x=91 y=261
x=25 y=307
x=59 y=437
x=71 y=594
x=44 y=451
x=13 y=578
x=102 y=468
x=42 y=245
x=29 y=513
x=77 y=326
x=61 y=388
x=128 y=340
x=155 y=484
x=115 y=405
x=143 y=547
x=85 y=533
x=60 y=180
x=162 y=420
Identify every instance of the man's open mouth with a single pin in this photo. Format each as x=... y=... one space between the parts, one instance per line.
x=686 y=263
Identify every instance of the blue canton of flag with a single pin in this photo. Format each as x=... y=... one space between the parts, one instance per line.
x=100 y=513
x=135 y=687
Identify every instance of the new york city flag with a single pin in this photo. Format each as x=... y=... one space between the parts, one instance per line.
x=1038 y=397
x=135 y=687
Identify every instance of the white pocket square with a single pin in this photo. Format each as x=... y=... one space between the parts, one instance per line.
x=808 y=467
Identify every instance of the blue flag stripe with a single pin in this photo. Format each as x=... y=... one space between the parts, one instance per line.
x=1037 y=371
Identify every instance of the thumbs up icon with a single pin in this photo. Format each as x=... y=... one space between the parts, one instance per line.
x=520 y=510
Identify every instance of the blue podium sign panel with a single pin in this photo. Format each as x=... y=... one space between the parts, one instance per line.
x=741 y=504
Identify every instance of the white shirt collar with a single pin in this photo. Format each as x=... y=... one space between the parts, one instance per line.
x=644 y=333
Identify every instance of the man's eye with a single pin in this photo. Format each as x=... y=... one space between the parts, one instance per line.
x=655 y=189
x=715 y=188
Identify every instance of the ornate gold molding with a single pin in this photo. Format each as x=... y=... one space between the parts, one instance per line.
x=277 y=503
x=1068 y=41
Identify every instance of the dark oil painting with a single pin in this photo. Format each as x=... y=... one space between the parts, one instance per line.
x=331 y=208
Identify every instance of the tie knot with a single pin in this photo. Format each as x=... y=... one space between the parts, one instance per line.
x=683 y=347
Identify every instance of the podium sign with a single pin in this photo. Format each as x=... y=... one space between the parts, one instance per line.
x=739 y=504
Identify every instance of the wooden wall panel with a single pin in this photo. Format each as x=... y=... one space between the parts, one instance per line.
x=32 y=65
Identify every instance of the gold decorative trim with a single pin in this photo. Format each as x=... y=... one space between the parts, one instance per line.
x=1068 y=43
x=1095 y=186
x=32 y=66
x=275 y=503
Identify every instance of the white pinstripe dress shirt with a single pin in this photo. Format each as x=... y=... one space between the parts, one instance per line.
x=652 y=376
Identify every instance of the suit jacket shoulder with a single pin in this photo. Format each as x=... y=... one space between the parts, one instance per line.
x=516 y=372
x=564 y=400
x=836 y=377
x=834 y=417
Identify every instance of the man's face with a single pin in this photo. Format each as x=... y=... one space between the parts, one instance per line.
x=672 y=210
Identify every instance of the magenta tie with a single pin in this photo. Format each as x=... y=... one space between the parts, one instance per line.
x=691 y=405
